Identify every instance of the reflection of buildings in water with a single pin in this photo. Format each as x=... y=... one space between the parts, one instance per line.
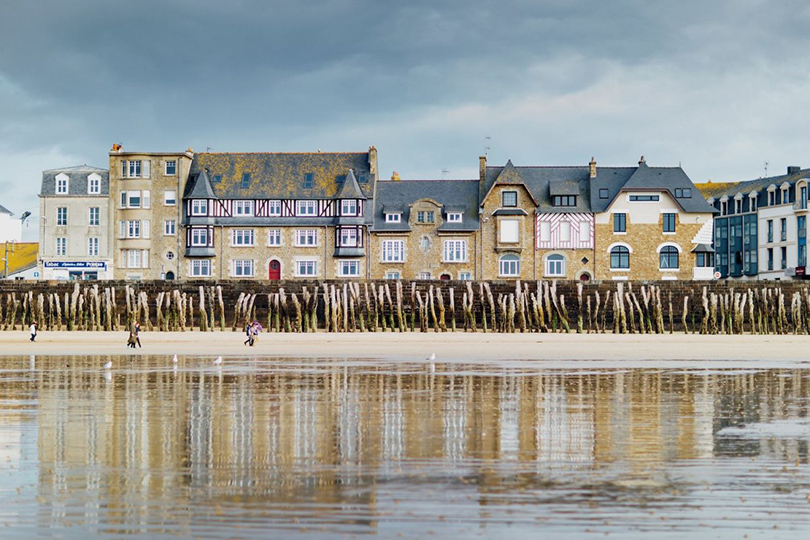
x=565 y=423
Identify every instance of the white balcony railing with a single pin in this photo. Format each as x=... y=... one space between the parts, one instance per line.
x=702 y=274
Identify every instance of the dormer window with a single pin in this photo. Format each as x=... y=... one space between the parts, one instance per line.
x=509 y=199
x=199 y=207
x=683 y=193
x=393 y=218
x=603 y=193
x=245 y=180
x=454 y=217
x=723 y=208
x=564 y=200
x=217 y=179
x=771 y=195
x=425 y=216
x=348 y=207
x=752 y=202
x=738 y=206
x=340 y=178
x=309 y=178
x=785 y=197
x=363 y=179
x=93 y=184
x=62 y=184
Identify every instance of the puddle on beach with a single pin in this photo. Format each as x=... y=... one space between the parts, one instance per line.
x=329 y=448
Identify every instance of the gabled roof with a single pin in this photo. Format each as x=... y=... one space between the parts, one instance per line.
x=350 y=189
x=4 y=210
x=543 y=183
x=282 y=175
x=453 y=195
x=77 y=180
x=199 y=186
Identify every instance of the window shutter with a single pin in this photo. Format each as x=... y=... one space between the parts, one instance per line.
x=123 y=168
x=146 y=200
x=145 y=258
x=145 y=168
x=145 y=227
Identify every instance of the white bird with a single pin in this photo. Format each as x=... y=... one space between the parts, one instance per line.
x=432 y=357
x=108 y=365
x=218 y=361
x=174 y=359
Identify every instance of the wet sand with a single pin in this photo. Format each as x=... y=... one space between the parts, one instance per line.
x=417 y=346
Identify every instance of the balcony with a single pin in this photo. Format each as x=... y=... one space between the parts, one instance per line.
x=800 y=206
x=702 y=273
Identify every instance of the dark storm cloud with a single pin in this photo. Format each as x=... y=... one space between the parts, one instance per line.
x=716 y=85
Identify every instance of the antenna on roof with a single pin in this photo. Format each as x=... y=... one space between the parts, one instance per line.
x=766 y=169
x=444 y=172
x=487 y=140
x=208 y=148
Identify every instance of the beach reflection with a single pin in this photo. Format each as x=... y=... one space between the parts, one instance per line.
x=325 y=447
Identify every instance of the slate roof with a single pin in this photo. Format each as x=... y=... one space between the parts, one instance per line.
x=757 y=184
x=77 y=181
x=453 y=195
x=350 y=189
x=4 y=210
x=543 y=182
x=712 y=189
x=281 y=175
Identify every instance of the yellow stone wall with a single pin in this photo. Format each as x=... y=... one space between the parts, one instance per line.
x=492 y=249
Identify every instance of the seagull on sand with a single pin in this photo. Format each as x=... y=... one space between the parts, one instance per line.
x=108 y=365
x=431 y=365
x=432 y=357
x=218 y=361
x=174 y=360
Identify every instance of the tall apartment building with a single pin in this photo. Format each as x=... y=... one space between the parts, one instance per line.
x=278 y=215
x=74 y=230
x=145 y=212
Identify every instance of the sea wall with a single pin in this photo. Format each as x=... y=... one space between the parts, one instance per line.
x=760 y=307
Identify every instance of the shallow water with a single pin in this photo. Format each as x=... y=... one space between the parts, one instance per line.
x=328 y=448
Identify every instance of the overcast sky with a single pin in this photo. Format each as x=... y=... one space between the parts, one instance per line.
x=720 y=87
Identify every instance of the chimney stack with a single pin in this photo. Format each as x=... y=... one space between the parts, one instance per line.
x=641 y=161
x=793 y=169
x=395 y=176
x=372 y=160
x=592 y=168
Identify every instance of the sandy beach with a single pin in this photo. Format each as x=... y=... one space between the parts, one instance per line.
x=417 y=346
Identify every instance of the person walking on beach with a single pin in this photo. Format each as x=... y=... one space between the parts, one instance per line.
x=33 y=329
x=249 y=334
x=254 y=333
x=137 y=330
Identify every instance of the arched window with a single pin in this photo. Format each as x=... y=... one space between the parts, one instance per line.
x=509 y=265
x=620 y=257
x=555 y=265
x=668 y=257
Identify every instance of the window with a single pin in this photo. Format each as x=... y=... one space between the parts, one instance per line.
x=393 y=218
x=349 y=268
x=392 y=275
x=273 y=208
x=243 y=208
x=770 y=258
x=785 y=198
x=199 y=207
x=274 y=237
x=669 y=223
x=723 y=208
x=135 y=258
x=584 y=231
x=784 y=257
x=783 y=229
x=242 y=237
x=393 y=250
x=455 y=251
x=363 y=179
x=424 y=276
x=509 y=231
x=131 y=169
x=169 y=227
x=339 y=178
x=738 y=206
x=306 y=268
x=643 y=198
x=668 y=258
x=308 y=179
x=171 y=167
x=687 y=193
x=348 y=207
x=348 y=237
x=94 y=216
x=61 y=246
x=509 y=265
x=306 y=237
x=424 y=243
x=564 y=200
x=509 y=198
x=464 y=276
x=619 y=223
x=678 y=193
x=243 y=268
x=92 y=246
x=61 y=215
x=200 y=268
x=771 y=198
x=603 y=193
x=555 y=266
x=61 y=185
x=425 y=216
x=752 y=203
x=770 y=230
x=565 y=231
x=170 y=197
x=306 y=208
x=133 y=229
x=454 y=217
x=545 y=231
x=217 y=179
x=704 y=260
x=620 y=258
x=93 y=185
x=131 y=199
x=199 y=237
x=245 y=180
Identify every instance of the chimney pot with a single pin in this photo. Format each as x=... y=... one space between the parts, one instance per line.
x=642 y=160
x=592 y=168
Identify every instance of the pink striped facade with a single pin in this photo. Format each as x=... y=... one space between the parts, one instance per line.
x=578 y=237
x=261 y=208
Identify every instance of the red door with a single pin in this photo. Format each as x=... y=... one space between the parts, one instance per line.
x=275 y=271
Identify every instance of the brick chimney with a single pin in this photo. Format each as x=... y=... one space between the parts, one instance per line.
x=592 y=168
x=372 y=160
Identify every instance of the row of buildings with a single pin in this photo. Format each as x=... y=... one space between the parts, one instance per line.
x=328 y=215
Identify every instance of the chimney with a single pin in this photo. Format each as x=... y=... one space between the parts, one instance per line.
x=482 y=168
x=793 y=169
x=641 y=161
x=592 y=168
x=372 y=160
x=395 y=176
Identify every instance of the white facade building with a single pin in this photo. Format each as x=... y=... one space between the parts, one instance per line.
x=10 y=226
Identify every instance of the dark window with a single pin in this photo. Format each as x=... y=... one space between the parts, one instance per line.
x=339 y=178
x=620 y=257
x=308 y=178
x=564 y=200
x=668 y=258
x=619 y=223
x=669 y=222
x=783 y=230
x=801 y=226
x=687 y=193
x=245 y=180
x=603 y=193
x=784 y=258
x=217 y=178
x=509 y=198
x=363 y=179
x=678 y=192
x=770 y=230
x=643 y=198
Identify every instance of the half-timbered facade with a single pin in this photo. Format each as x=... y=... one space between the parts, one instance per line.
x=279 y=216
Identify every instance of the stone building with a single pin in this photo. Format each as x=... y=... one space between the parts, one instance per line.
x=75 y=227
x=651 y=223
x=425 y=229
x=145 y=213
x=278 y=215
